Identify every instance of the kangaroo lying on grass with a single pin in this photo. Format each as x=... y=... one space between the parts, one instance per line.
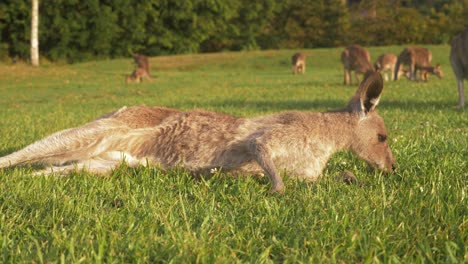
x=300 y=143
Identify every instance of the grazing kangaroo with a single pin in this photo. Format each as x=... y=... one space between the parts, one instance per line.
x=298 y=61
x=355 y=58
x=142 y=69
x=386 y=63
x=300 y=143
x=425 y=70
x=459 y=61
x=137 y=76
x=417 y=58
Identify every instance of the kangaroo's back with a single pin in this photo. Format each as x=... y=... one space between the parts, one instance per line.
x=141 y=116
x=422 y=56
x=415 y=56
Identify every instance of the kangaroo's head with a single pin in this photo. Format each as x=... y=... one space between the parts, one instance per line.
x=377 y=66
x=369 y=139
x=404 y=72
x=438 y=71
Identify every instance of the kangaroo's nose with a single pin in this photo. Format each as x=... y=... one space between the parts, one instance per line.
x=394 y=167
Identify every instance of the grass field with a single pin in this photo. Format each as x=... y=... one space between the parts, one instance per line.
x=419 y=214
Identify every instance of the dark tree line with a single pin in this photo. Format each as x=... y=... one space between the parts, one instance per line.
x=74 y=30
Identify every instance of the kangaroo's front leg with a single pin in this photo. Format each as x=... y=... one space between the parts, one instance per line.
x=262 y=155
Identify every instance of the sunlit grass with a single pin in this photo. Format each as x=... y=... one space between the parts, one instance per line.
x=142 y=214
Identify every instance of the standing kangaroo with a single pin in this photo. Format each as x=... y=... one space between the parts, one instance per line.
x=459 y=61
x=386 y=63
x=298 y=61
x=355 y=58
x=417 y=58
x=142 y=62
x=300 y=143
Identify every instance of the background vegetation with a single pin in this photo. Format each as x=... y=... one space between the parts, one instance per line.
x=142 y=214
x=72 y=30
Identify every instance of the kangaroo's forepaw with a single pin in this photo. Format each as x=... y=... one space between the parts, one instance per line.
x=348 y=177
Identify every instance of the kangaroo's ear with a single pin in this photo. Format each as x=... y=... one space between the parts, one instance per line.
x=368 y=94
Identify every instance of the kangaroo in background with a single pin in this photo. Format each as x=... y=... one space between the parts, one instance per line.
x=355 y=58
x=137 y=76
x=142 y=61
x=299 y=143
x=459 y=62
x=386 y=63
x=298 y=61
x=417 y=58
x=425 y=70
x=142 y=69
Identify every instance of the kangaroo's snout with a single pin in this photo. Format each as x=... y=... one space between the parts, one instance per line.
x=391 y=169
x=387 y=168
x=390 y=166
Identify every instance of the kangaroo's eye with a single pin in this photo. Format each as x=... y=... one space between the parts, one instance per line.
x=382 y=138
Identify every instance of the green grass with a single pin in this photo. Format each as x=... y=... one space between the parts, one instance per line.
x=143 y=214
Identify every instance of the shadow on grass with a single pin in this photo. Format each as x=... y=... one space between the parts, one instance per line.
x=7 y=151
x=418 y=105
x=279 y=105
x=329 y=104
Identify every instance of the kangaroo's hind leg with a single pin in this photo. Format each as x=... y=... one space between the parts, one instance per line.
x=262 y=155
x=100 y=165
x=74 y=144
x=93 y=166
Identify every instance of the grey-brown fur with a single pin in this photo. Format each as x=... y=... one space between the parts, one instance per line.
x=142 y=61
x=459 y=61
x=298 y=61
x=300 y=143
x=137 y=76
x=355 y=58
x=141 y=71
x=425 y=70
x=416 y=58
